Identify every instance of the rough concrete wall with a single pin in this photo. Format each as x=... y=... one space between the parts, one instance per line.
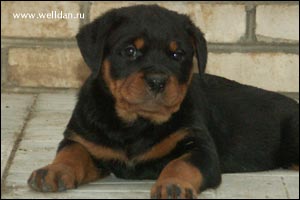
x=254 y=42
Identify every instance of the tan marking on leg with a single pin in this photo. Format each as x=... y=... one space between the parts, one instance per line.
x=180 y=173
x=99 y=151
x=294 y=167
x=182 y=170
x=78 y=159
x=72 y=165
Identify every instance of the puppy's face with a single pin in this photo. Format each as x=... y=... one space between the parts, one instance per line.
x=146 y=60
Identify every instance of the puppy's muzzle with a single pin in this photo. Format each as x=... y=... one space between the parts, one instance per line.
x=156 y=82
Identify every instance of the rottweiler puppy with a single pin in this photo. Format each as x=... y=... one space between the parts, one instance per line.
x=142 y=114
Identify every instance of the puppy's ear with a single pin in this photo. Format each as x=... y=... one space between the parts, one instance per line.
x=200 y=46
x=92 y=37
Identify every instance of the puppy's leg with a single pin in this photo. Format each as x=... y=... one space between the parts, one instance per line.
x=186 y=176
x=178 y=180
x=72 y=166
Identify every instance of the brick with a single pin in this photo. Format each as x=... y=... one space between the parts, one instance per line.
x=98 y=8
x=180 y=7
x=271 y=71
x=3 y=65
x=65 y=68
x=46 y=28
x=213 y=19
x=46 y=67
x=277 y=22
x=220 y=22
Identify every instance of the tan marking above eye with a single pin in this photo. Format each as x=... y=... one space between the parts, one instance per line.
x=139 y=43
x=173 y=46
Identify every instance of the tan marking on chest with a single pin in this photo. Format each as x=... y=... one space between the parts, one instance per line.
x=158 y=150
x=164 y=147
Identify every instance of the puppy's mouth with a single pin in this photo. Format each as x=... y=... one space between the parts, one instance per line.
x=155 y=102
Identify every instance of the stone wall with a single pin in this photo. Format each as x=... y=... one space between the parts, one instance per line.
x=254 y=42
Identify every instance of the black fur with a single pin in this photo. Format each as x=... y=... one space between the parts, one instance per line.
x=233 y=127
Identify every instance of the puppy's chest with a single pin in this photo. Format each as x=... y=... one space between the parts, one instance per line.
x=138 y=160
x=133 y=151
x=140 y=157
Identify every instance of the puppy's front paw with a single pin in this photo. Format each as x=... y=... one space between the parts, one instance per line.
x=173 y=188
x=52 y=178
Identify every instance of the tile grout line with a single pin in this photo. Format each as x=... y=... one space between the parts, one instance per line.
x=16 y=146
x=285 y=188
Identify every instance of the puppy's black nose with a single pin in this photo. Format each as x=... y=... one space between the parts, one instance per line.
x=156 y=82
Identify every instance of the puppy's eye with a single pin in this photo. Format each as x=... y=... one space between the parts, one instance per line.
x=178 y=55
x=130 y=52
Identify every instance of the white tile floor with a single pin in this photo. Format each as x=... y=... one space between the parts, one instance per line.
x=27 y=121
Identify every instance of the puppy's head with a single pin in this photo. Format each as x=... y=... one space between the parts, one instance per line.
x=144 y=55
